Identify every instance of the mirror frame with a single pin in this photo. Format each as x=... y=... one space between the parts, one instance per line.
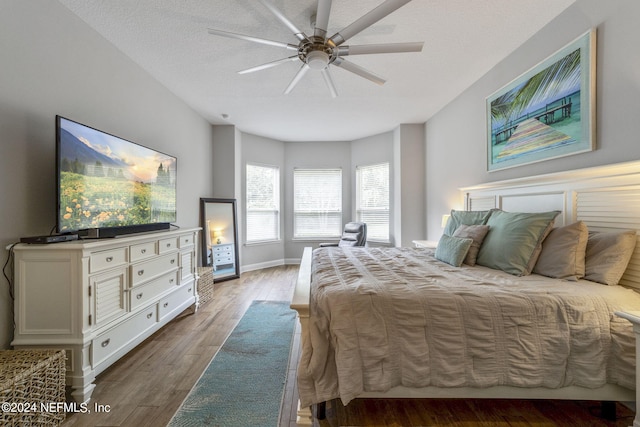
x=206 y=262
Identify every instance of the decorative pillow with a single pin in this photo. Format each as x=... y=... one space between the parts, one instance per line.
x=475 y=232
x=608 y=255
x=452 y=250
x=515 y=240
x=459 y=218
x=563 y=252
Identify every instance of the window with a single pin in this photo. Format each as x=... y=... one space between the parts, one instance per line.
x=372 y=200
x=317 y=203
x=263 y=203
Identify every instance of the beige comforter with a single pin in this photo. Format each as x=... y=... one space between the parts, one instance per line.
x=396 y=316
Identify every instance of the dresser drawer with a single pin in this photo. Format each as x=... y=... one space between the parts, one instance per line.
x=167 y=245
x=142 y=251
x=187 y=240
x=148 y=270
x=223 y=249
x=140 y=295
x=114 y=339
x=99 y=261
x=175 y=300
x=223 y=260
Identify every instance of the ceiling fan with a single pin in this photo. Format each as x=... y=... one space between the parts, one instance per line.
x=319 y=52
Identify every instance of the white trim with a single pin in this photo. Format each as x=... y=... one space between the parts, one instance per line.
x=261 y=265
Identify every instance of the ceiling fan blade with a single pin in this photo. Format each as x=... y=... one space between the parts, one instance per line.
x=269 y=65
x=380 y=48
x=356 y=69
x=301 y=72
x=278 y=14
x=366 y=20
x=329 y=81
x=322 y=18
x=251 y=39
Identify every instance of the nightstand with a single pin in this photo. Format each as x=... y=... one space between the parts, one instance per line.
x=428 y=244
x=223 y=256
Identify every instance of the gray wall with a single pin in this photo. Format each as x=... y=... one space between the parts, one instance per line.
x=53 y=63
x=455 y=136
x=408 y=183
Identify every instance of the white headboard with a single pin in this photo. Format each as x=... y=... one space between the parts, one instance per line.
x=606 y=198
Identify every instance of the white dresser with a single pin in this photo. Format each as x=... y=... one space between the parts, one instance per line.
x=98 y=299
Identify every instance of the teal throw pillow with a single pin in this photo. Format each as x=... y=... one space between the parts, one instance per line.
x=459 y=218
x=514 y=241
x=452 y=250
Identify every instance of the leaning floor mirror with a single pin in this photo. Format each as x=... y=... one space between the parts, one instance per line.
x=220 y=237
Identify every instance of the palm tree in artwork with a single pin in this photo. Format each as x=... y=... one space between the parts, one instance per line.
x=547 y=84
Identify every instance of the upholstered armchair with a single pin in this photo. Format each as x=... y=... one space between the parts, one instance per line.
x=354 y=234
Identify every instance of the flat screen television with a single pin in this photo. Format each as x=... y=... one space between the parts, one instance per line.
x=108 y=186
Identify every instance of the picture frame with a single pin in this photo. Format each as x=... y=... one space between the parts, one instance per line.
x=548 y=111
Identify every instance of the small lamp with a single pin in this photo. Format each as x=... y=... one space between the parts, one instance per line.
x=445 y=219
x=217 y=234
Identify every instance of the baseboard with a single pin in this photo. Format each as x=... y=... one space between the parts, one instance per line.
x=269 y=264
x=261 y=265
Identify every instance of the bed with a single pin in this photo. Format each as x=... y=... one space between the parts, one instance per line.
x=437 y=330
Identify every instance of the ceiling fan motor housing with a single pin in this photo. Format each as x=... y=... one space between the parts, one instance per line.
x=316 y=53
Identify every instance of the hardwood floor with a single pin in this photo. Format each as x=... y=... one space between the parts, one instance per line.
x=147 y=386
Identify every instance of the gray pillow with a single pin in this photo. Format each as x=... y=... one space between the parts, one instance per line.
x=475 y=232
x=608 y=255
x=459 y=218
x=515 y=240
x=452 y=250
x=563 y=252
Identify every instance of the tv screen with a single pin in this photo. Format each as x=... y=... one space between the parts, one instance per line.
x=106 y=182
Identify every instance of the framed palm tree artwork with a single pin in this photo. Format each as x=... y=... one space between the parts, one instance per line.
x=547 y=112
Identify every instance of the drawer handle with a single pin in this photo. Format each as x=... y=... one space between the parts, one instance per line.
x=143 y=251
x=139 y=295
x=186 y=240
x=171 y=280
x=166 y=304
x=168 y=245
x=140 y=273
x=150 y=315
x=173 y=261
x=189 y=290
x=109 y=258
x=105 y=342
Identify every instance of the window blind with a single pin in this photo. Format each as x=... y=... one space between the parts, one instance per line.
x=263 y=203
x=317 y=203
x=372 y=199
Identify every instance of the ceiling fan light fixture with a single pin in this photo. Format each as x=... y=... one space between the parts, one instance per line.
x=317 y=60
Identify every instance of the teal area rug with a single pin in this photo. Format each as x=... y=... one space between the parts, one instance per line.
x=244 y=382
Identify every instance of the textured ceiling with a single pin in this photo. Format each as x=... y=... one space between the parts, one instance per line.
x=168 y=38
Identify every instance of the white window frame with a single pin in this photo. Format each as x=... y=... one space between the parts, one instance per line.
x=374 y=216
x=330 y=215
x=275 y=208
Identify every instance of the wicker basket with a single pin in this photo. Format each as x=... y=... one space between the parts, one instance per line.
x=205 y=284
x=32 y=387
